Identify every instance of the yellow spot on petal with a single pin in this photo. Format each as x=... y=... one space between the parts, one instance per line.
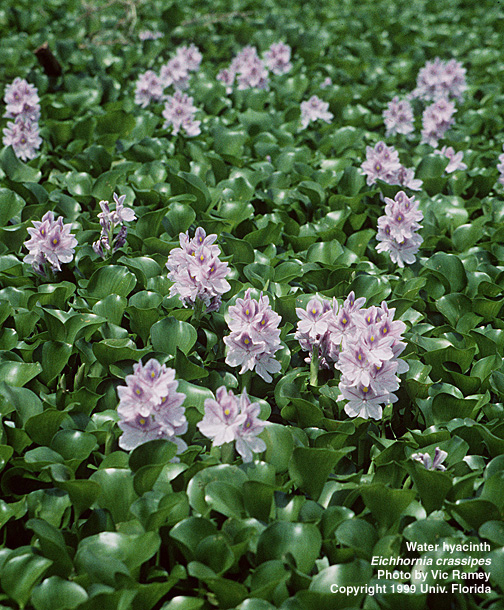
x=365 y=389
x=263 y=322
x=202 y=258
x=247 y=312
x=142 y=421
x=384 y=331
x=54 y=241
x=359 y=357
x=372 y=338
x=153 y=374
x=314 y=311
x=247 y=425
x=138 y=391
x=246 y=341
x=227 y=412
x=344 y=320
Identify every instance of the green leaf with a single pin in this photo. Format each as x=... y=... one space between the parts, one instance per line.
x=20 y=573
x=170 y=333
x=117 y=492
x=18 y=374
x=10 y=205
x=302 y=540
x=16 y=170
x=44 y=426
x=112 y=279
x=55 y=593
x=309 y=468
x=386 y=504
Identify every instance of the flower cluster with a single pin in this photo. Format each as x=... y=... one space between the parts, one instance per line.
x=327 y=82
x=197 y=272
x=148 y=89
x=315 y=109
x=314 y=331
x=179 y=113
x=500 y=167
x=396 y=229
x=430 y=463
x=370 y=343
x=248 y=69
x=277 y=58
x=22 y=105
x=398 y=117
x=150 y=35
x=436 y=120
x=255 y=336
x=441 y=79
x=382 y=163
x=150 y=406
x=231 y=418
x=109 y=220
x=455 y=159
x=50 y=242
x=177 y=70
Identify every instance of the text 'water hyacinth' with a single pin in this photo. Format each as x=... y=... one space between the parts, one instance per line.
x=255 y=336
x=150 y=407
x=233 y=418
x=197 y=271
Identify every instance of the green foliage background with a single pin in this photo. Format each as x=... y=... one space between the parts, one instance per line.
x=87 y=526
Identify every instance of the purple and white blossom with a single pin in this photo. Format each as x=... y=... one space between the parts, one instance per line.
x=455 y=159
x=277 y=58
x=382 y=163
x=179 y=113
x=369 y=358
x=441 y=79
x=148 y=89
x=247 y=69
x=500 y=167
x=255 y=336
x=231 y=418
x=397 y=229
x=176 y=72
x=109 y=220
x=50 y=243
x=150 y=35
x=197 y=272
x=429 y=463
x=24 y=137
x=22 y=105
x=436 y=120
x=398 y=117
x=22 y=100
x=313 y=330
x=327 y=82
x=313 y=110
x=150 y=407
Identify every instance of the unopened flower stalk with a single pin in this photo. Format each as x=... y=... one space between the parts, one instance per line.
x=314 y=367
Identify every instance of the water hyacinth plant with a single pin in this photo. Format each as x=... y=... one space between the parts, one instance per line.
x=283 y=357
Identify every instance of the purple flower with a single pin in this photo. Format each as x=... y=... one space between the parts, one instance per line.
x=22 y=100
x=456 y=162
x=405 y=177
x=108 y=221
x=23 y=135
x=222 y=418
x=435 y=463
x=381 y=163
x=315 y=109
x=175 y=72
x=231 y=418
x=190 y=57
x=398 y=117
x=255 y=336
x=500 y=167
x=197 y=271
x=149 y=35
x=441 y=79
x=397 y=229
x=327 y=82
x=50 y=242
x=247 y=69
x=313 y=330
x=148 y=89
x=150 y=406
x=436 y=120
x=277 y=58
x=369 y=359
x=179 y=113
